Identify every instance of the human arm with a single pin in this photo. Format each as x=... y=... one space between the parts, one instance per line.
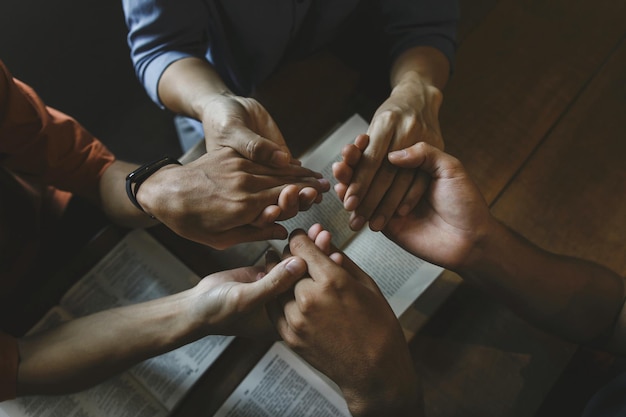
x=337 y=320
x=192 y=87
x=421 y=37
x=169 y=43
x=87 y=350
x=378 y=190
x=452 y=227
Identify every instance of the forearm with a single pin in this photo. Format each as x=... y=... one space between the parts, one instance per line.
x=114 y=201
x=420 y=64
x=187 y=84
x=575 y=299
x=86 y=351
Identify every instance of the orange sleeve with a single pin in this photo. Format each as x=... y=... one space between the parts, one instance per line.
x=9 y=359
x=41 y=143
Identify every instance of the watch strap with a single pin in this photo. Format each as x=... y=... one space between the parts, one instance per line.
x=138 y=176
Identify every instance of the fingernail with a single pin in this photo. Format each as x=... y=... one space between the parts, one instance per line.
x=397 y=154
x=324 y=183
x=295 y=266
x=351 y=203
x=378 y=223
x=357 y=223
x=280 y=158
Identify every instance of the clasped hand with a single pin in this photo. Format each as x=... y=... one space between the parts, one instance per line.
x=222 y=198
x=373 y=188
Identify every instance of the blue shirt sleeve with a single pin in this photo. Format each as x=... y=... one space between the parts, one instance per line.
x=162 y=32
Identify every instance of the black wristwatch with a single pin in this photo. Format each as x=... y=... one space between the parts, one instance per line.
x=138 y=176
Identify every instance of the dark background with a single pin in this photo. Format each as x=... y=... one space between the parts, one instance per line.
x=74 y=54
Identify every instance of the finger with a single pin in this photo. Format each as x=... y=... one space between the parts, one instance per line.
x=242 y=234
x=290 y=170
x=268 y=216
x=322 y=267
x=323 y=241
x=340 y=190
x=337 y=258
x=433 y=161
x=355 y=271
x=322 y=238
x=318 y=263
x=377 y=190
x=314 y=230
x=368 y=166
x=306 y=198
x=342 y=172
x=351 y=154
x=259 y=149
x=362 y=141
x=392 y=199
x=288 y=202
x=282 y=277
x=414 y=194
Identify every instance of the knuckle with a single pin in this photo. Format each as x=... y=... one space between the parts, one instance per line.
x=252 y=148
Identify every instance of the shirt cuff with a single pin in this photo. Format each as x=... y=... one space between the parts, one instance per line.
x=154 y=70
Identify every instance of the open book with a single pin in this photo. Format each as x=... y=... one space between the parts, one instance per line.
x=284 y=384
x=137 y=269
x=401 y=276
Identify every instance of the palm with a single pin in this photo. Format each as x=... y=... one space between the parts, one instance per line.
x=443 y=227
x=224 y=295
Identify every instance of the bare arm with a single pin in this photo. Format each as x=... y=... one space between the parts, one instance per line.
x=192 y=87
x=115 y=202
x=576 y=299
x=85 y=351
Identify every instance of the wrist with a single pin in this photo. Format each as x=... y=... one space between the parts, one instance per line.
x=415 y=85
x=154 y=191
x=400 y=401
x=492 y=247
x=204 y=106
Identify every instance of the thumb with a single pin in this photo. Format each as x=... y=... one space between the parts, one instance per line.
x=428 y=158
x=282 y=277
x=259 y=149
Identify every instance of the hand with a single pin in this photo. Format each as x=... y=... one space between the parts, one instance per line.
x=377 y=189
x=337 y=319
x=448 y=224
x=222 y=199
x=244 y=125
x=233 y=302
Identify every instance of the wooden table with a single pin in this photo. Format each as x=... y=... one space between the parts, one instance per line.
x=535 y=110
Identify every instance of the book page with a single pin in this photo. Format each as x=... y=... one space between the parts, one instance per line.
x=137 y=269
x=119 y=396
x=401 y=276
x=330 y=213
x=282 y=384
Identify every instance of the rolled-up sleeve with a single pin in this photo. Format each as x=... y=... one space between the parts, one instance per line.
x=161 y=32
x=410 y=23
